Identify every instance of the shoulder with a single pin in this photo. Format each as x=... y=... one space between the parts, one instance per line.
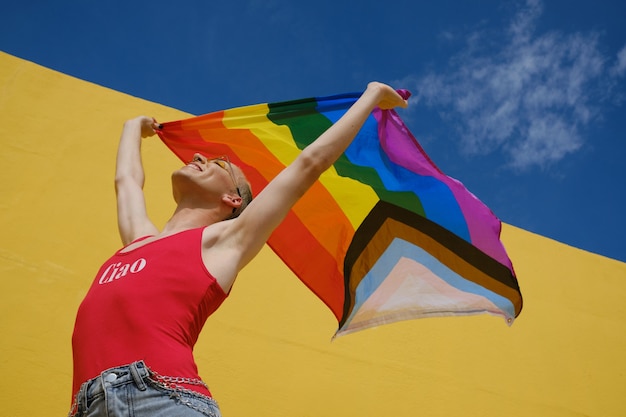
x=216 y=234
x=220 y=254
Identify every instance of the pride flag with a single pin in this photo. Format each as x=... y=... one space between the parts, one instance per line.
x=383 y=235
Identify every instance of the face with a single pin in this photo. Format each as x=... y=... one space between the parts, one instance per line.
x=206 y=176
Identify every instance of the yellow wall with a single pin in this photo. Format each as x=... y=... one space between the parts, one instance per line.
x=267 y=352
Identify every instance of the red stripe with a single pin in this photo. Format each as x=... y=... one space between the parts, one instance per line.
x=292 y=241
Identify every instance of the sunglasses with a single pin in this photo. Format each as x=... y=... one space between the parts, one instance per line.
x=224 y=163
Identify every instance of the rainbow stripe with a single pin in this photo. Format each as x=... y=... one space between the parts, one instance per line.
x=383 y=235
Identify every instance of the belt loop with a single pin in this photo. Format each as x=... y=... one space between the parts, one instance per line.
x=82 y=396
x=80 y=400
x=134 y=371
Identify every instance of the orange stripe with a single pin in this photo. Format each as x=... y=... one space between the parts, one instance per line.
x=333 y=229
x=294 y=241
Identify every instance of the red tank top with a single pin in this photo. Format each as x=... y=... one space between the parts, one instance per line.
x=150 y=304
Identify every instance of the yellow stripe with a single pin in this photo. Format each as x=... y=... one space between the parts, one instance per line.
x=355 y=199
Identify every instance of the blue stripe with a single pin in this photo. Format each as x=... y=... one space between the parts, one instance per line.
x=400 y=248
x=438 y=201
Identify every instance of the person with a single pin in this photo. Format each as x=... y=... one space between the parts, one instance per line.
x=136 y=327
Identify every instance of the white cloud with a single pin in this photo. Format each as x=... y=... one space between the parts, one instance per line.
x=548 y=139
x=529 y=96
x=620 y=66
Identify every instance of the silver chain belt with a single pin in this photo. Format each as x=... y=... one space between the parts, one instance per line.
x=171 y=383
x=174 y=381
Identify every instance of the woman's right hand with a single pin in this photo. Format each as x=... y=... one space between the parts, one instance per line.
x=388 y=98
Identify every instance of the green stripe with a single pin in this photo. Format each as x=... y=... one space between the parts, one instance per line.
x=307 y=124
x=300 y=116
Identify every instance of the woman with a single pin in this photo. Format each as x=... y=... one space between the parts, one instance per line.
x=135 y=331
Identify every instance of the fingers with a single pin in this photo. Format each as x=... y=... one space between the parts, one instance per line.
x=388 y=98
x=148 y=126
x=156 y=125
x=392 y=99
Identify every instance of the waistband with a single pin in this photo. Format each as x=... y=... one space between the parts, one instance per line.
x=142 y=377
x=136 y=372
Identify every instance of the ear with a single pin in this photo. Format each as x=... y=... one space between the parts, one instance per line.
x=232 y=200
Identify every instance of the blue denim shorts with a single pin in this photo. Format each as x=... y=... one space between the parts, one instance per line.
x=132 y=390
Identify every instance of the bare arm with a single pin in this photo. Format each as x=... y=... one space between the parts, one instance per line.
x=132 y=218
x=244 y=237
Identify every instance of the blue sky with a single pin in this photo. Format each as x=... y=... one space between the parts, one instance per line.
x=522 y=101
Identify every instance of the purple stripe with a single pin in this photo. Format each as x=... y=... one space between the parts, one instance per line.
x=484 y=227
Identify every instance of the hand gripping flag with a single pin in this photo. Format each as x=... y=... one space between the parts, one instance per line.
x=383 y=235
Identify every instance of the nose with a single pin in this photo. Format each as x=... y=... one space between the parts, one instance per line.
x=200 y=158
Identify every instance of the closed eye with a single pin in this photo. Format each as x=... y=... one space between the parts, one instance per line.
x=220 y=163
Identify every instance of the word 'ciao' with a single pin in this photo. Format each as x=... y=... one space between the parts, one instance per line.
x=118 y=270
